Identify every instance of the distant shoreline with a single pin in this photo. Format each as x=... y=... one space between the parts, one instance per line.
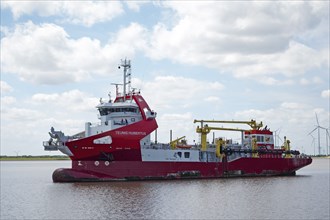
x=29 y=157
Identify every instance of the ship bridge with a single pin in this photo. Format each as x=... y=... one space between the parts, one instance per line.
x=118 y=114
x=128 y=107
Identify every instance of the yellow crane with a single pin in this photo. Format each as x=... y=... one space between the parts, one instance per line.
x=253 y=124
x=205 y=129
x=175 y=142
x=286 y=147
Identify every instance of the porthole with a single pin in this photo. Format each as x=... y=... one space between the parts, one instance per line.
x=96 y=163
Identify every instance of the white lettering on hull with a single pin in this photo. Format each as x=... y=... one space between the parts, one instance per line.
x=131 y=133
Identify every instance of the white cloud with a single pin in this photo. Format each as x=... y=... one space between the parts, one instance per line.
x=325 y=94
x=180 y=124
x=293 y=105
x=39 y=97
x=135 y=5
x=315 y=80
x=248 y=39
x=176 y=117
x=42 y=8
x=295 y=61
x=78 y=12
x=5 y=87
x=260 y=41
x=126 y=42
x=172 y=92
x=45 y=54
x=35 y=53
x=91 y=12
x=73 y=100
x=304 y=81
x=7 y=100
x=67 y=110
x=212 y=99
x=21 y=114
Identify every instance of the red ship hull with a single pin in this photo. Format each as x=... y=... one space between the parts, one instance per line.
x=137 y=170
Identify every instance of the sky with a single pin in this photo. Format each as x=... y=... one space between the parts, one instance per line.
x=222 y=60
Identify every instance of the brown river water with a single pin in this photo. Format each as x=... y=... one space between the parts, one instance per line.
x=27 y=192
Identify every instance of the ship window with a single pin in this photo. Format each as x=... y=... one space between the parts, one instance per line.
x=103 y=111
x=180 y=154
x=106 y=111
x=186 y=154
x=260 y=138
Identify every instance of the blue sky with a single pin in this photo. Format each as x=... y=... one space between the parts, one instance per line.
x=260 y=60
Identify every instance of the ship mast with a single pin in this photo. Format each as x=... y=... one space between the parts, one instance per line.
x=127 y=76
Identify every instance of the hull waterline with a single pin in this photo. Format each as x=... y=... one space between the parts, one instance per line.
x=135 y=170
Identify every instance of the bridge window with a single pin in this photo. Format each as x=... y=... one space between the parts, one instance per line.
x=106 y=111
x=103 y=111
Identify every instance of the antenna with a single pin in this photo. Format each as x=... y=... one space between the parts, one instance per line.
x=127 y=75
x=117 y=88
x=109 y=94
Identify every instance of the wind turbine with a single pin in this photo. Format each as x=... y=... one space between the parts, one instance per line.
x=327 y=137
x=313 y=142
x=318 y=127
x=277 y=136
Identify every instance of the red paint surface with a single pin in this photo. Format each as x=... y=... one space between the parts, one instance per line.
x=137 y=170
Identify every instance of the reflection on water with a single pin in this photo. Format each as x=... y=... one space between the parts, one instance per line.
x=27 y=191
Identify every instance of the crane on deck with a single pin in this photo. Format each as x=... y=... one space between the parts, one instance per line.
x=204 y=129
x=176 y=142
